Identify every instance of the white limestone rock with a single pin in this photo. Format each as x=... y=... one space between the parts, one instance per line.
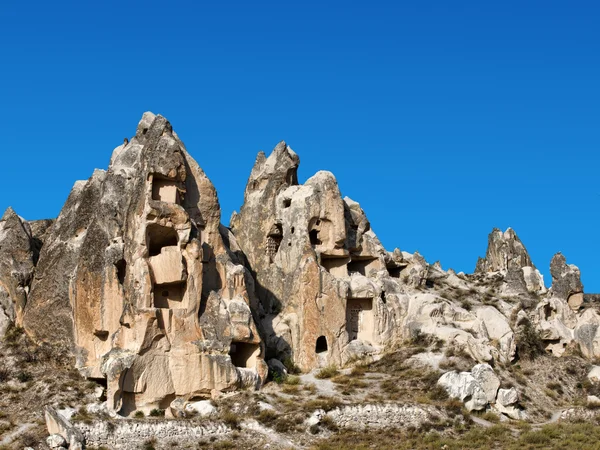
x=464 y=387
x=487 y=379
x=56 y=441
x=507 y=397
x=203 y=408
x=594 y=374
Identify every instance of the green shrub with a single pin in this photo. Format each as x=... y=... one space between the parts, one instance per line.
x=157 y=413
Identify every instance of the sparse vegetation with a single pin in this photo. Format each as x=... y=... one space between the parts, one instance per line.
x=156 y=413
x=529 y=342
x=327 y=372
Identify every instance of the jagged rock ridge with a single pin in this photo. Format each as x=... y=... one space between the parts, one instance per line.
x=140 y=280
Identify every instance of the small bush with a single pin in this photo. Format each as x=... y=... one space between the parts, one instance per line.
x=437 y=393
x=453 y=406
x=139 y=415
x=4 y=375
x=292 y=380
x=231 y=419
x=157 y=413
x=24 y=377
x=267 y=417
x=291 y=366
x=328 y=423
x=529 y=342
x=327 y=372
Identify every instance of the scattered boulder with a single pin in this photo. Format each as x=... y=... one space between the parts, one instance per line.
x=203 y=408
x=507 y=397
x=56 y=441
x=464 y=387
x=487 y=379
x=594 y=374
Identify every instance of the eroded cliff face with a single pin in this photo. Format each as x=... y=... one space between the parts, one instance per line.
x=136 y=278
x=140 y=281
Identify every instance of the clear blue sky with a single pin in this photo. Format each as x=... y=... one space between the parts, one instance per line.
x=443 y=119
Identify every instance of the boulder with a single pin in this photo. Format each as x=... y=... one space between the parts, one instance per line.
x=512 y=411
x=56 y=441
x=593 y=400
x=507 y=397
x=203 y=408
x=487 y=379
x=464 y=387
x=594 y=374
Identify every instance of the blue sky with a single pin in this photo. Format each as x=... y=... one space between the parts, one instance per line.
x=443 y=119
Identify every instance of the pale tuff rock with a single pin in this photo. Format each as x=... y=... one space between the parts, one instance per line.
x=487 y=379
x=316 y=262
x=560 y=317
x=566 y=281
x=507 y=256
x=464 y=386
x=594 y=374
x=507 y=397
x=480 y=388
x=16 y=268
x=136 y=278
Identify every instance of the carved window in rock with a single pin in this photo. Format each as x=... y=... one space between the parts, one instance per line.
x=361 y=266
x=169 y=296
x=335 y=265
x=314 y=233
x=394 y=272
x=164 y=190
x=274 y=239
x=321 y=345
x=244 y=354
x=158 y=237
x=359 y=319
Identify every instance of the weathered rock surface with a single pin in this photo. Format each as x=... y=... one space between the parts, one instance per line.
x=566 y=281
x=136 y=278
x=155 y=297
x=507 y=255
x=16 y=268
x=464 y=386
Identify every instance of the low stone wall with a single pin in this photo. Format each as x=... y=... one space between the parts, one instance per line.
x=131 y=434
x=379 y=416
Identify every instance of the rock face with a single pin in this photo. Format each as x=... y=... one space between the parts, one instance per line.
x=566 y=281
x=17 y=257
x=136 y=277
x=507 y=256
x=318 y=265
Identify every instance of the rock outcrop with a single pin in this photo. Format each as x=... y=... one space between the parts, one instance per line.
x=135 y=277
x=506 y=255
x=318 y=265
x=138 y=278
x=17 y=258
x=566 y=281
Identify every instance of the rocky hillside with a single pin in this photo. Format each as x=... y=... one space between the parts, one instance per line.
x=136 y=319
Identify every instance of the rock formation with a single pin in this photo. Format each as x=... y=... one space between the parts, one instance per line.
x=16 y=267
x=136 y=278
x=318 y=266
x=506 y=255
